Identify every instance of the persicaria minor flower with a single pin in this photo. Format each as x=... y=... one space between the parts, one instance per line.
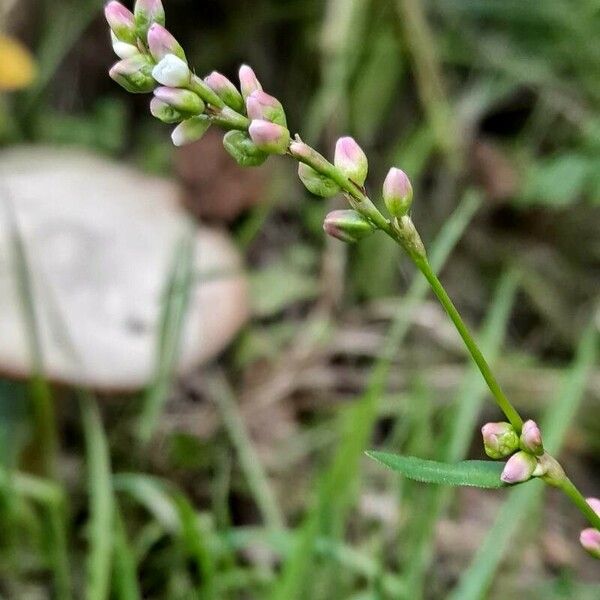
x=248 y=81
x=134 y=74
x=221 y=86
x=347 y=225
x=121 y=22
x=161 y=43
x=351 y=160
x=397 y=192
x=519 y=468
x=172 y=72
x=499 y=439
x=184 y=101
x=269 y=137
x=260 y=105
x=146 y=13
x=531 y=438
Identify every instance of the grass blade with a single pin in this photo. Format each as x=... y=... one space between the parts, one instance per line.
x=101 y=501
x=251 y=465
x=172 y=319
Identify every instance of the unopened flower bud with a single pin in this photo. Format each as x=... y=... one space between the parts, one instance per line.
x=499 y=439
x=248 y=81
x=590 y=540
x=165 y=112
x=183 y=101
x=221 y=86
x=123 y=49
x=146 y=13
x=134 y=74
x=172 y=72
x=347 y=225
x=315 y=183
x=121 y=22
x=595 y=504
x=260 y=105
x=519 y=468
x=397 y=192
x=269 y=137
x=351 y=160
x=161 y=43
x=190 y=130
x=531 y=438
x=243 y=150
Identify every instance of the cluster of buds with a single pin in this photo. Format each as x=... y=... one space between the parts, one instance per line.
x=153 y=61
x=526 y=452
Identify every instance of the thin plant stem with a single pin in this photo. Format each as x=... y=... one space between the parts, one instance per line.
x=576 y=497
x=503 y=402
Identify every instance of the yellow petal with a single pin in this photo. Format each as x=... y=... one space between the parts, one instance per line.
x=17 y=67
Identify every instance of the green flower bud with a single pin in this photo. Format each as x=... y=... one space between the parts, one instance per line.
x=397 y=192
x=259 y=105
x=165 y=112
x=190 y=130
x=317 y=184
x=499 y=440
x=183 y=101
x=347 y=225
x=225 y=89
x=134 y=74
x=243 y=150
x=147 y=12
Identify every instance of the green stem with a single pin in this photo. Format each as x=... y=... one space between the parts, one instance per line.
x=503 y=402
x=576 y=497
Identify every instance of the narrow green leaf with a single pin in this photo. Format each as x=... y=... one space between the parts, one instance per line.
x=476 y=473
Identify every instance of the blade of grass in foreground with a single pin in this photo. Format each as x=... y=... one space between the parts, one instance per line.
x=524 y=501
x=176 y=298
x=125 y=582
x=458 y=433
x=41 y=396
x=100 y=499
x=251 y=465
x=334 y=495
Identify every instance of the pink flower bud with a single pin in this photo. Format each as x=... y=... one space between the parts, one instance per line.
x=148 y=12
x=531 y=438
x=221 y=86
x=347 y=225
x=499 y=439
x=134 y=74
x=248 y=81
x=397 y=192
x=184 y=101
x=351 y=160
x=172 y=72
x=590 y=540
x=121 y=22
x=161 y=43
x=269 y=137
x=260 y=105
x=300 y=150
x=519 y=468
x=595 y=504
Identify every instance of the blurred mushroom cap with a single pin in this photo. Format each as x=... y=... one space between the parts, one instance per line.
x=100 y=240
